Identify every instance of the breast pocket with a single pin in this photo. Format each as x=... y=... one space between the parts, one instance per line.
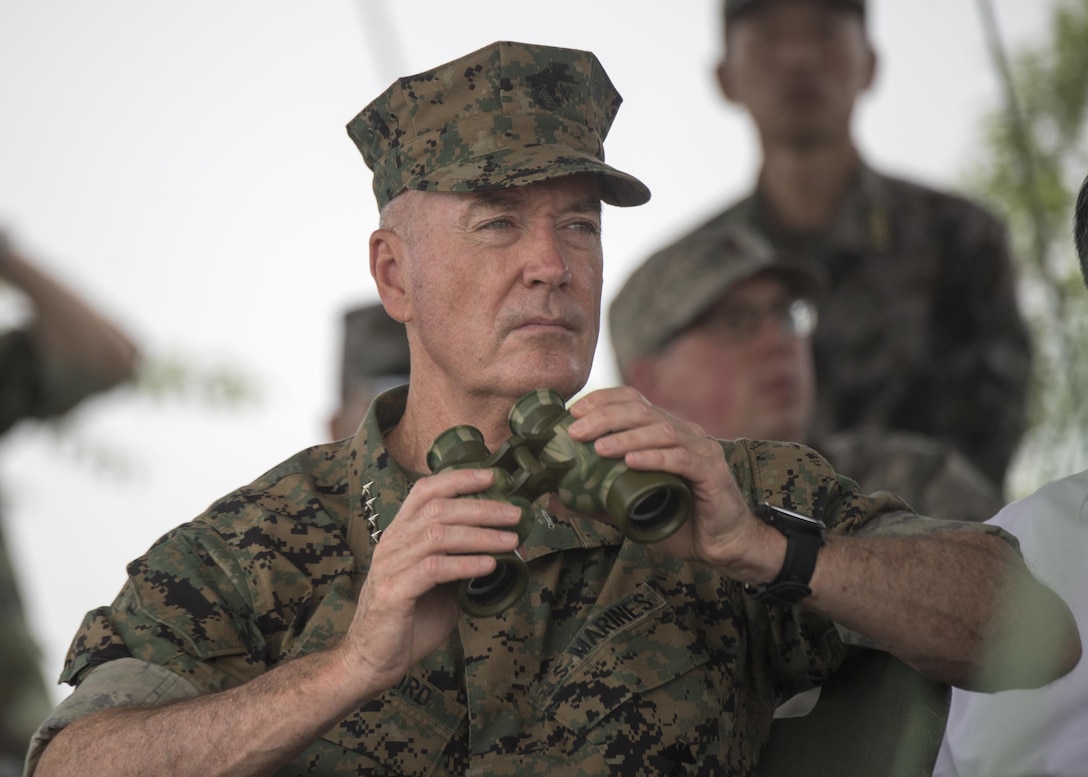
x=406 y=731
x=633 y=683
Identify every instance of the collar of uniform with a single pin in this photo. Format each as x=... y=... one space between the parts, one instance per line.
x=378 y=486
x=862 y=225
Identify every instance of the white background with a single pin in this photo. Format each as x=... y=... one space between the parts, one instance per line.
x=185 y=167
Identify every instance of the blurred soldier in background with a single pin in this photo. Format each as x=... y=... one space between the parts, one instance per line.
x=718 y=330
x=920 y=330
x=67 y=352
x=374 y=358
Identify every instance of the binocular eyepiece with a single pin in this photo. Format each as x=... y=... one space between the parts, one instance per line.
x=541 y=458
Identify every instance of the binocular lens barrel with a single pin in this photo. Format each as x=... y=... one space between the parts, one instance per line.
x=655 y=510
x=489 y=595
x=648 y=506
x=541 y=457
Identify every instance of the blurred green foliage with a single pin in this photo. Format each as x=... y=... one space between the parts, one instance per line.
x=1029 y=165
x=179 y=380
x=184 y=377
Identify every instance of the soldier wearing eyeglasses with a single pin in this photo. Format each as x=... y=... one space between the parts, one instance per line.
x=719 y=333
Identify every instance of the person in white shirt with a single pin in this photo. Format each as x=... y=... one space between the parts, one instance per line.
x=1042 y=731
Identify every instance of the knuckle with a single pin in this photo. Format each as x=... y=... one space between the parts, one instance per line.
x=436 y=534
x=431 y=511
x=671 y=431
x=431 y=566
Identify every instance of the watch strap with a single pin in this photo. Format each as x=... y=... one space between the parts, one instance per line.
x=791 y=585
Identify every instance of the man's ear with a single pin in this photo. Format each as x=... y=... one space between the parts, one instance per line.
x=724 y=75
x=873 y=69
x=388 y=254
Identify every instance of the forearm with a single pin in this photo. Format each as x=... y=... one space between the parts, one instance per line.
x=66 y=327
x=253 y=729
x=960 y=607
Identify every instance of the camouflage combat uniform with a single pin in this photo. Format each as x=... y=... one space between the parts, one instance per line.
x=921 y=329
x=615 y=661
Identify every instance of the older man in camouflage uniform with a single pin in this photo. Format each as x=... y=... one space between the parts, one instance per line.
x=920 y=330
x=305 y=624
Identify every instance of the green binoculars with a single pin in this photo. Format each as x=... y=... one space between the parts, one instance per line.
x=541 y=458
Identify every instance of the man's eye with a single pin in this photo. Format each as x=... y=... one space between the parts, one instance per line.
x=498 y=224
x=585 y=226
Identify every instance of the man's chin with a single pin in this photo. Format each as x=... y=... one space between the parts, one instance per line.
x=559 y=375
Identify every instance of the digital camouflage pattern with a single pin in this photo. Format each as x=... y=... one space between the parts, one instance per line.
x=668 y=292
x=920 y=330
x=616 y=661
x=506 y=115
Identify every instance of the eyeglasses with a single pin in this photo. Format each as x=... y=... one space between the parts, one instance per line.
x=737 y=323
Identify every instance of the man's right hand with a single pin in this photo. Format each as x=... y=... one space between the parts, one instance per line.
x=405 y=609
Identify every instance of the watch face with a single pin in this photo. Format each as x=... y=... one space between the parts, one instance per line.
x=787 y=520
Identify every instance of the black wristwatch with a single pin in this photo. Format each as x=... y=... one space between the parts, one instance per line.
x=804 y=538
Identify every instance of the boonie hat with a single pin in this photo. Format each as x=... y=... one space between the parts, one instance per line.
x=675 y=286
x=506 y=115
x=375 y=348
x=734 y=8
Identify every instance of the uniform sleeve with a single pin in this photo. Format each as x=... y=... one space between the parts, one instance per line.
x=18 y=378
x=125 y=682
x=182 y=626
x=186 y=606
x=794 y=649
x=32 y=386
x=799 y=478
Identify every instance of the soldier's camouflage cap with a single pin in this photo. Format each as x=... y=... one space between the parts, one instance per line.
x=675 y=286
x=375 y=346
x=734 y=8
x=506 y=115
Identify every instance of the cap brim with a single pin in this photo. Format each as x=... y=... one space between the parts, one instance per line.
x=796 y=277
x=518 y=166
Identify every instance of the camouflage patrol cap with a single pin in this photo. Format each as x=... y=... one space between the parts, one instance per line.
x=734 y=8
x=675 y=286
x=506 y=115
x=375 y=346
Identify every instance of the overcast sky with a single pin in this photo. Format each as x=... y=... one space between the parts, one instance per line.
x=185 y=166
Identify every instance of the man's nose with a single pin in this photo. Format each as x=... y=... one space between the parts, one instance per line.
x=545 y=262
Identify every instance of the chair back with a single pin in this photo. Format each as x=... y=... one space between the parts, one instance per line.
x=875 y=717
